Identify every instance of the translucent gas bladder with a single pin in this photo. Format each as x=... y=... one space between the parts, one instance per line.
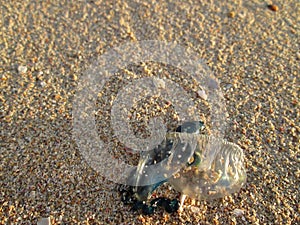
x=205 y=167
x=217 y=169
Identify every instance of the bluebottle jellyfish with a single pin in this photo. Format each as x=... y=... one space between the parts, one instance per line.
x=212 y=168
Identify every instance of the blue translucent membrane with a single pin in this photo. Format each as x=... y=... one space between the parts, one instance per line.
x=199 y=166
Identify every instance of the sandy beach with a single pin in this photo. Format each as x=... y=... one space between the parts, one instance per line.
x=46 y=47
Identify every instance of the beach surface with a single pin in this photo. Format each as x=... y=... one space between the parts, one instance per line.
x=46 y=48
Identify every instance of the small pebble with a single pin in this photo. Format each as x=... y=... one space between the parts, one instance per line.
x=43 y=83
x=238 y=212
x=231 y=14
x=44 y=221
x=202 y=94
x=273 y=7
x=22 y=69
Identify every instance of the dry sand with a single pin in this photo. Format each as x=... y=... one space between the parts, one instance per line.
x=46 y=46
